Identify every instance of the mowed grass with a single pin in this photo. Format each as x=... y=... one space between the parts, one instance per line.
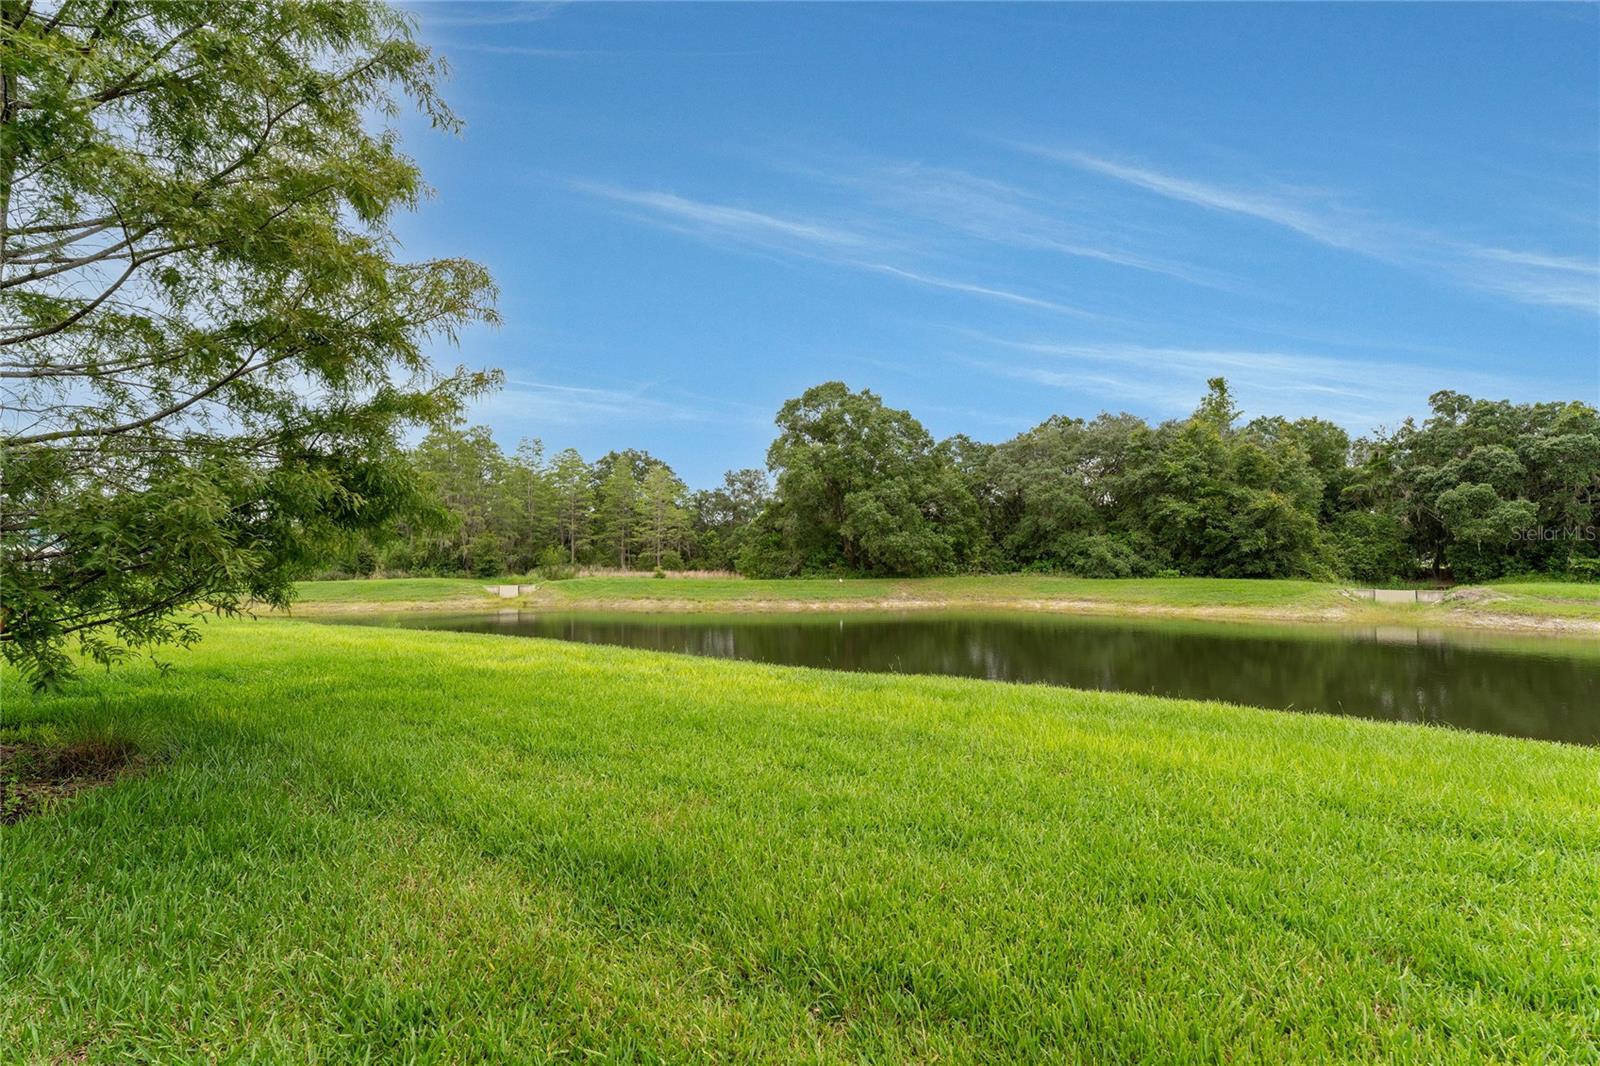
x=1000 y=587
x=384 y=845
x=1518 y=605
x=954 y=591
x=392 y=590
x=1547 y=598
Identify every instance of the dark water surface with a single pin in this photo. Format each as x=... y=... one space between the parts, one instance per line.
x=1547 y=688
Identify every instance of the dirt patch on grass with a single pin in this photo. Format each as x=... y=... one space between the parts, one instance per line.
x=1473 y=596
x=33 y=777
x=1528 y=623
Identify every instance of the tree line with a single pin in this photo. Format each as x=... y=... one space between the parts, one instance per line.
x=1478 y=489
x=497 y=513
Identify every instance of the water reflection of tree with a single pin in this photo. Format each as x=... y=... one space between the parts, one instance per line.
x=1413 y=679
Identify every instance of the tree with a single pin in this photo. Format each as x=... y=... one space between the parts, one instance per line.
x=533 y=505
x=486 y=555
x=862 y=487
x=742 y=496
x=722 y=515
x=1327 y=450
x=1371 y=546
x=637 y=462
x=1478 y=518
x=499 y=507
x=1217 y=409
x=1051 y=498
x=1224 y=502
x=569 y=482
x=1488 y=487
x=209 y=349
x=616 y=513
x=466 y=472
x=663 y=522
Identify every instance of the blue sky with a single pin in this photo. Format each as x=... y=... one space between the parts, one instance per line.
x=992 y=214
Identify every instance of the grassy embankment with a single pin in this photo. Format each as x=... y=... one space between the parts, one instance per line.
x=390 y=845
x=1526 y=605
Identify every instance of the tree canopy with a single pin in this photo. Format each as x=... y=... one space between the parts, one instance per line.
x=209 y=348
x=1488 y=487
x=862 y=487
x=1220 y=501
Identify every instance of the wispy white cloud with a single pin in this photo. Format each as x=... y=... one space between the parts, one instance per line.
x=1352 y=392
x=949 y=200
x=819 y=241
x=1262 y=205
x=530 y=401
x=737 y=222
x=481 y=14
x=1527 y=276
x=980 y=290
x=546 y=403
x=1538 y=259
x=538 y=52
x=527 y=50
x=1536 y=277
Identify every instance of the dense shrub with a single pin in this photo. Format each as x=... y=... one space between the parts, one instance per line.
x=1371 y=547
x=486 y=556
x=554 y=564
x=1584 y=568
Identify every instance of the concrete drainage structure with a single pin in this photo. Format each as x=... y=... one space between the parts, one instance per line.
x=509 y=592
x=1398 y=595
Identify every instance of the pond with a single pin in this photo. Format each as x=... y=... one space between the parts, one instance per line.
x=1547 y=688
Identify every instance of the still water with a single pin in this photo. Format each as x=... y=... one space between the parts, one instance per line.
x=1547 y=688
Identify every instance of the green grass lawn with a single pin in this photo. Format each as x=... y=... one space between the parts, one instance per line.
x=1526 y=603
x=1551 y=599
x=383 y=845
x=1176 y=591
x=1181 y=592
x=391 y=590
